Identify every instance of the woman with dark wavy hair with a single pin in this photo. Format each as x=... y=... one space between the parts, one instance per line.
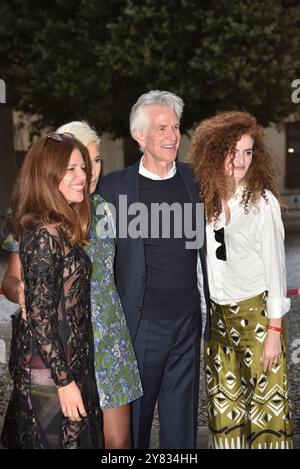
x=246 y=358
x=54 y=403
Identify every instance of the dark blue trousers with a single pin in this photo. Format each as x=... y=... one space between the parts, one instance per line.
x=168 y=353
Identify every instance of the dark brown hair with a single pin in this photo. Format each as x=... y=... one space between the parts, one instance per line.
x=213 y=140
x=36 y=198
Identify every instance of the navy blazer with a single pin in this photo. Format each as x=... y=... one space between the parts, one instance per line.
x=130 y=267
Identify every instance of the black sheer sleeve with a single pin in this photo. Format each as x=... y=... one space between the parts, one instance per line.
x=43 y=263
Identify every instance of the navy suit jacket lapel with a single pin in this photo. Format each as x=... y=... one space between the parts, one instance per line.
x=131 y=188
x=131 y=183
x=188 y=181
x=191 y=186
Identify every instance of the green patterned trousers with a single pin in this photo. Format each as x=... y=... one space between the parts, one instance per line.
x=247 y=408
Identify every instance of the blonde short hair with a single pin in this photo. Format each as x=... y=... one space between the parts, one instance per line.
x=81 y=130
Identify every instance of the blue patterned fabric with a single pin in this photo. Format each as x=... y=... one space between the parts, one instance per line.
x=10 y=245
x=116 y=368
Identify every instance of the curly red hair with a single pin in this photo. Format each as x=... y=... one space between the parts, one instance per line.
x=213 y=140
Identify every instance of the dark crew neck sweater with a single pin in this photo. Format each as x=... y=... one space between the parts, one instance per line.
x=171 y=280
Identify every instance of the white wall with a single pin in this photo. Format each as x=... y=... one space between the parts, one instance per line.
x=275 y=139
x=184 y=147
x=112 y=152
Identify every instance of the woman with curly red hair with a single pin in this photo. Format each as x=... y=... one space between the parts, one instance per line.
x=246 y=357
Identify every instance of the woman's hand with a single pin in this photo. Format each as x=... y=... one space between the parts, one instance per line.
x=71 y=402
x=272 y=350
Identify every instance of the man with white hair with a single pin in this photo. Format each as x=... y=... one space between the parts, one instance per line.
x=161 y=283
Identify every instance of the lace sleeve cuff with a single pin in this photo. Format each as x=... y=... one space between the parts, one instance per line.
x=63 y=382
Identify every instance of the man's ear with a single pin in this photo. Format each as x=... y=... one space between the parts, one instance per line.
x=139 y=137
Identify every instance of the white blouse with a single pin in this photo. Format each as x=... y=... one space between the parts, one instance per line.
x=255 y=255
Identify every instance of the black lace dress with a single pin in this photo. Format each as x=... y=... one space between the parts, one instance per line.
x=52 y=348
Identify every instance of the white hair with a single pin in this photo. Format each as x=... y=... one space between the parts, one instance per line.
x=81 y=130
x=138 y=117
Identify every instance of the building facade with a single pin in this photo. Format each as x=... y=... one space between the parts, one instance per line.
x=15 y=142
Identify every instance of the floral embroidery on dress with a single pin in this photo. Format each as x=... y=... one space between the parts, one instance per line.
x=53 y=347
x=116 y=368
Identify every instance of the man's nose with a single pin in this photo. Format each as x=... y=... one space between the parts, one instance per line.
x=172 y=134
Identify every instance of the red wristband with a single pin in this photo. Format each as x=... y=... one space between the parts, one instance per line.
x=277 y=329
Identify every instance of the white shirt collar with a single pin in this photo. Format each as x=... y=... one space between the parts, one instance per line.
x=148 y=174
x=239 y=192
x=233 y=202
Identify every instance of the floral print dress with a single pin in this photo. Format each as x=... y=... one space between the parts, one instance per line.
x=117 y=374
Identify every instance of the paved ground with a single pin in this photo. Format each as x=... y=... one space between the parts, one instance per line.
x=293 y=330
